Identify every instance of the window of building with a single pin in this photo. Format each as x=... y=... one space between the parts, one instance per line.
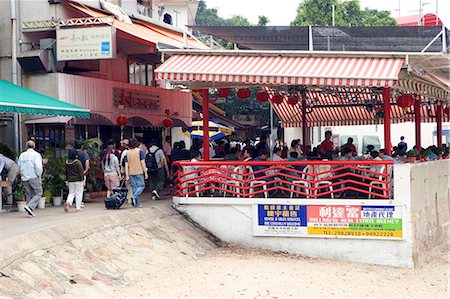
x=141 y=74
x=47 y=136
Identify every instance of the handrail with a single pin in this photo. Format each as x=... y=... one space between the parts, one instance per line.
x=321 y=179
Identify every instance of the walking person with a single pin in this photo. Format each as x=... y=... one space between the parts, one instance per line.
x=13 y=169
x=135 y=171
x=30 y=168
x=83 y=157
x=75 y=179
x=156 y=163
x=125 y=146
x=111 y=170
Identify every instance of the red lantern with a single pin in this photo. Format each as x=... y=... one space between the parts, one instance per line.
x=292 y=100
x=277 y=99
x=168 y=123
x=223 y=92
x=262 y=96
x=447 y=110
x=244 y=93
x=122 y=121
x=405 y=100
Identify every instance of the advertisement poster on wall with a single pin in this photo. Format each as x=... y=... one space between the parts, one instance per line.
x=85 y=43
x=328 y=221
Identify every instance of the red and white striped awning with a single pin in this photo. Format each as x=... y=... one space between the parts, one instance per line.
x=345 y=107
x=281 y=70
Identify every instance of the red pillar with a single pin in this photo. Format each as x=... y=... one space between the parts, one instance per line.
x=417 y=122
x=387 y=119
x=205 y=112
x=304 y=124
x=439 y=123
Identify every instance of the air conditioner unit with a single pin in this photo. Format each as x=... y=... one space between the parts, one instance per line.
x=37 y=61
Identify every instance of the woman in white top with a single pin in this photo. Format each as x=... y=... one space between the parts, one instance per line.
x=111 y=170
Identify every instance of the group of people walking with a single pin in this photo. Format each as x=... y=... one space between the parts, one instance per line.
x=129 y=166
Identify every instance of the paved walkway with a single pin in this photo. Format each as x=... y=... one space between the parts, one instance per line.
x=15 y=223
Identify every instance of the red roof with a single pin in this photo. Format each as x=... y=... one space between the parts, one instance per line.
x=428 y=19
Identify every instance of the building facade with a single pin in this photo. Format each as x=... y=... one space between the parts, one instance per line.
x=92 y=54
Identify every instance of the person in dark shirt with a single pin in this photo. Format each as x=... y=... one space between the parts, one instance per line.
x=263 y=154
x=232 y=155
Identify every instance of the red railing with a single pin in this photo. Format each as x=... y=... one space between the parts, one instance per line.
x=307 y=179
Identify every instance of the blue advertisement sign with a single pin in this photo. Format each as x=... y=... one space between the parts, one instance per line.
x=106 y=48
x=282 y=215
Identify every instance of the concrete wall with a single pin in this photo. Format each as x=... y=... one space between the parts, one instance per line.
x=423 y=191
x=232 y=223
x=430 y=202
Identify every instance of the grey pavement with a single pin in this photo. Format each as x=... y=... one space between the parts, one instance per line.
x=16 y=223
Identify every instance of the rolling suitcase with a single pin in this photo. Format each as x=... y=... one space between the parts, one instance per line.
x=117 y=198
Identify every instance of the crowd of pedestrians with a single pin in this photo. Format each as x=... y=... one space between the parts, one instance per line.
x=134 y=163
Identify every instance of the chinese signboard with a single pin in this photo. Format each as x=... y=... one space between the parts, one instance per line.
x=136 y=99
x=85 y=43
x=280 y=220
x=383 y=222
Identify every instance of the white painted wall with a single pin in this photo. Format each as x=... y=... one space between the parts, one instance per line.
x=177 y=135
x=397 y=130
x=422 y=189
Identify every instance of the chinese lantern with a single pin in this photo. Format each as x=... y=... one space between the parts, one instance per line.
x=405 y=101
x=244 y=93
x=277 y=99
x=122 y=121
x=447 y=110
x=262 y=96
x=223 y=92
x=168 y=123
x=292 y=100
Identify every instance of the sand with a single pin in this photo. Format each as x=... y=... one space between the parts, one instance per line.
x=232 y=272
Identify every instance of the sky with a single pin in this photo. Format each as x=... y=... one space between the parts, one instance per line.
x=282 y=12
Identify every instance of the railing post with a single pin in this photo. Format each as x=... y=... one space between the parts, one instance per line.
x=313 y=180
x=244 y=183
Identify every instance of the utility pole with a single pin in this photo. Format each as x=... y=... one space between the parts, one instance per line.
x=332 y=14
x=16 y=117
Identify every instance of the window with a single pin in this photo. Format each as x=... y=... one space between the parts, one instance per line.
x=141 y=74
x=48 y=136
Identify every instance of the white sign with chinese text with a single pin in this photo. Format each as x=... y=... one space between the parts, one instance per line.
x=85 y=43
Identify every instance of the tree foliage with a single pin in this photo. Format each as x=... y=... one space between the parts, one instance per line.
x=263 y=20
x=347 y=13
x=210 y=17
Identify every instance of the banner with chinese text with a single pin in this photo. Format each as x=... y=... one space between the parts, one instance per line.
x=339 y=221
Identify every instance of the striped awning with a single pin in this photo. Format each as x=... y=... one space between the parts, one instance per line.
x=345 y=107
x=281 y=70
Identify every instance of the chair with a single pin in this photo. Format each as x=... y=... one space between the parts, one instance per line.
x=378 y=183
x=324 y=168
x=234 y=184
x=303 y=182
x=253 y=182
x=192 y=182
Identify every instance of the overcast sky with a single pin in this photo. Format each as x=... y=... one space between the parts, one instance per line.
x=282 y=12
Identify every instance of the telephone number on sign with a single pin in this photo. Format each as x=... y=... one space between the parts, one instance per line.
x=355 y=233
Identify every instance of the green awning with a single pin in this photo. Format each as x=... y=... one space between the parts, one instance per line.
x=16 y=99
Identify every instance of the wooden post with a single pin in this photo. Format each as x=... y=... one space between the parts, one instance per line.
x=205 y=112
x=439 y=123
x=387 y=119
x=417 y=122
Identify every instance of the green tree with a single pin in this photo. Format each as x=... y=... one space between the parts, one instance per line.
x=319 y=12
x=263 y=20
x=208 y=16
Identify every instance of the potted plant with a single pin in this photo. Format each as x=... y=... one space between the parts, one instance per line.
x=54 y=179
x=94 y=179
x=412 y=155
x=19 y=196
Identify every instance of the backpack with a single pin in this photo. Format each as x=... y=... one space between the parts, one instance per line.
x=150 y=161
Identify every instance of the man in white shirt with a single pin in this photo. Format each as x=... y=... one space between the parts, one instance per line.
x=157 y=176
x=30 y=168
x=11 y=167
